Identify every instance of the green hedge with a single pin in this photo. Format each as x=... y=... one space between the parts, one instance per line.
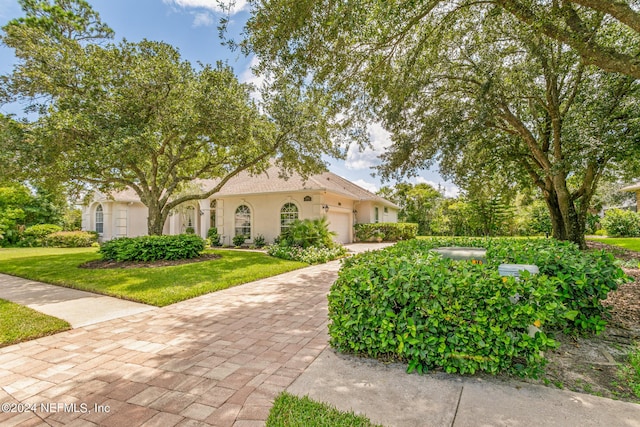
x=387 y=231
x=408 y=303
x=70 y=239
x=153 y=248
x=34 y=235
x=621 y=223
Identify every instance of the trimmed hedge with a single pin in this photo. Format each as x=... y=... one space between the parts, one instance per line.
x=388 y=231
x=70 y=239
x=406 y=302
x=153 y=248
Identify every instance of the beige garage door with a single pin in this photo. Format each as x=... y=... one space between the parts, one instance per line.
x=339 y=223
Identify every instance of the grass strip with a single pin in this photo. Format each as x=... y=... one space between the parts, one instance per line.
x=19 y=323
x=292 y=411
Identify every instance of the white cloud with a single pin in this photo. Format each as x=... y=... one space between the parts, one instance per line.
x=366 y=185
x=203 y=19
x=247 y=76
x=213 y=5
x=380 y=140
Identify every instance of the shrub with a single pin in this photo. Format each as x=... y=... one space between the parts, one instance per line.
x=70 y=239
x=213 y=236
x=34 y=235
x=434 y=312
x=259 y=241
x=310 y=255
x=582 y=279
x=152 y=248
x=307 y=233
x=190 y=230
x=621 y=223
x=388 y=231
x=239 y=240
x=409 y=303
x=600 y=233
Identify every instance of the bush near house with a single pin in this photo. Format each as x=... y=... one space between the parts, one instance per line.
x=153 y=248
x=70 y=239
x=408 y=303
x=213 y=236
x=387 y=231
x=34 y=235
x=621 y=223
x=307 y=241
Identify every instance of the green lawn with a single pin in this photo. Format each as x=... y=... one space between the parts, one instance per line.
x=292 y=411
x=19 y=323
x=631 y=243
x=158 y=286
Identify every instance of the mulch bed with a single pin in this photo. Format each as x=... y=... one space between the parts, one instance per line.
x=101 y=264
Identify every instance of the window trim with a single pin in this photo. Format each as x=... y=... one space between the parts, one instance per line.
x=99 y=213
x=242 y=228
x=284 y=224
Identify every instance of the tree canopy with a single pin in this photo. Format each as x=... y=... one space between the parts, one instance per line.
x=136 y=115
x=466 y=85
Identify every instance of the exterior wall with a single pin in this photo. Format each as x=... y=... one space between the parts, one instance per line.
x=366 y=213
x=265 y=214
x=120 y=219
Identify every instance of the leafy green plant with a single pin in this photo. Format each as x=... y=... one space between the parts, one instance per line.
x=434 y=312
x=213 y=236
x=190 y=230
x=70 y=239
x=310 y=255
x=387 y=231
x=34 y=235
x=259 y=241
x=621 y=223
x=152 y=248
x=307 y=233
x=238 y=240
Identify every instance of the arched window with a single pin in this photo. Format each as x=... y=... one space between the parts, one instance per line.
x=243 y=221
x=99 y=219
x=190 y=217
x=212 y=212
x=288 y=214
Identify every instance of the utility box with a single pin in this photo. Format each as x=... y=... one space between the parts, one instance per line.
x=458 y=253
x=514 y=270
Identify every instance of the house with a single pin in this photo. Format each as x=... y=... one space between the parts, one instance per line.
x=634 y=188
x=251 y=205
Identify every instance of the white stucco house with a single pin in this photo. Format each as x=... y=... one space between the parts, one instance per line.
x=634 y=188
x=251 y=205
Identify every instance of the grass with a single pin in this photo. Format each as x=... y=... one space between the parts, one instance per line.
x=293 y=411
x=629 y=373
x=19 y=323
x=159 y=286
x=631 y=243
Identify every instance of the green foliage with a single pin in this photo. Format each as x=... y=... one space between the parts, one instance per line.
x=308 y=233
x=630 y=371
x=152 y=248
x=70 y=239
x=433 y=312
x=621 y=223
x=292 y=411
x=239 y=240
x=410 y=303
x=213 y=236
x=600 y=233
x=539 y=221
x=259 y=241
x=34 y=235
x=190 y=230
x=417 y=203
x=310 y=255
x=387 y=231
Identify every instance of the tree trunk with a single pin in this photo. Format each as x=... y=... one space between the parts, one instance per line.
x=155 y=220
x=565 y=221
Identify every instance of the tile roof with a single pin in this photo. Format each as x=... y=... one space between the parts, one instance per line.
x=632 y=187
x=270 y=181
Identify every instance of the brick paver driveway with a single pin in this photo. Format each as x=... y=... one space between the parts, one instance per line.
x=219 y=359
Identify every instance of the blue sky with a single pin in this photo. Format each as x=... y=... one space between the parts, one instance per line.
x=190 y=25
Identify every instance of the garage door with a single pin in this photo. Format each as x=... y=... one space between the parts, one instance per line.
x=339 y=223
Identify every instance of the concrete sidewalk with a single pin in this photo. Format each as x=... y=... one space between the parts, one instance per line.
x=387 y=395
x=79 y=308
